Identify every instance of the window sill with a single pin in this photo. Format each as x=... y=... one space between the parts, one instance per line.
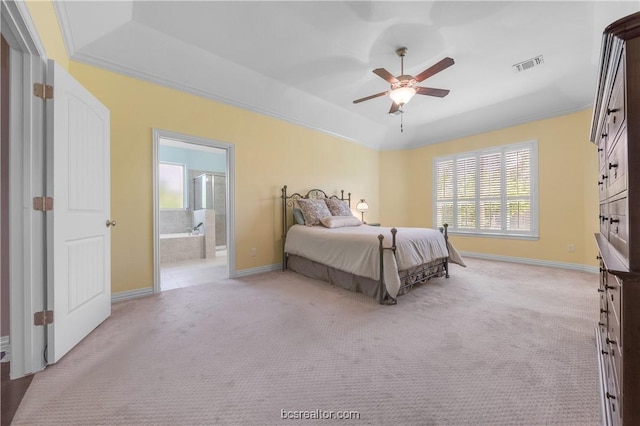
x=501 y=236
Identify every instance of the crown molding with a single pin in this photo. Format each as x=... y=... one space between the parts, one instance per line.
x=176 y=85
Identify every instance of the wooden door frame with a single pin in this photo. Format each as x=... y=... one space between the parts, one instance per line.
x=27 y=251
x=230 y=173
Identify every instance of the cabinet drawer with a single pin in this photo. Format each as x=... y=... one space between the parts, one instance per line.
x=613 y=331
x=614 y=376
x=616 y=107
x=618 y=226
x=603 y=177
x=613 y=298
x=602 y=148
x=616 y=167
x=604 y=314
x=612 y=396
x=616 y=361
x=604 y=219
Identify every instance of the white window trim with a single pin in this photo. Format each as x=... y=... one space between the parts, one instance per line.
x=530 y=235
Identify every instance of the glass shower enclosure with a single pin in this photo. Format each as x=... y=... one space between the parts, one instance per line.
x=210 y=193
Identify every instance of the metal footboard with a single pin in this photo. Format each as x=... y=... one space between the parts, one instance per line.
x=417 y=277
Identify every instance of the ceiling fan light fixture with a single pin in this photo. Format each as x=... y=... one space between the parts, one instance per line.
x=402 y=95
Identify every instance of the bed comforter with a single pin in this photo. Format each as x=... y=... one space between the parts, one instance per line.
x=355 y=249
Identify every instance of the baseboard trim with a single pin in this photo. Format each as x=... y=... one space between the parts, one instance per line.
x=529 y=261
x=5 y=346
x=134 y=294
x=258 y=270
x=121 y=296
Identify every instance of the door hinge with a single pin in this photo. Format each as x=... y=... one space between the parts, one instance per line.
x=42 y=204
x=43 y=91
x=43 y=318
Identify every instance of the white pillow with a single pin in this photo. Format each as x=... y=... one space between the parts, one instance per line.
x=340 y=221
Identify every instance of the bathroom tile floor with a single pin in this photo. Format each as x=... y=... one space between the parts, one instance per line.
x=193 y=272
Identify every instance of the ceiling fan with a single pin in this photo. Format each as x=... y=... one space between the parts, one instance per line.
x=404 y=87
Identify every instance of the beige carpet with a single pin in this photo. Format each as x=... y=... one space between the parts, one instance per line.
x=496 y=344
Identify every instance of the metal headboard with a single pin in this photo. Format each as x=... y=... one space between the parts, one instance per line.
x=288 y=202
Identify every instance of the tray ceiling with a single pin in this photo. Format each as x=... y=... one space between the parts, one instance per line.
x=305 y=62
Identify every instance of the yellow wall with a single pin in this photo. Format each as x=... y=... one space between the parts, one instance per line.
x=567 y=193
x=395 y=188
x=269 y=154
x=45 y=19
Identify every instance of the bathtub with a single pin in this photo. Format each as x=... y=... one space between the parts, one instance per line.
x=180 y=247
x=179 y=235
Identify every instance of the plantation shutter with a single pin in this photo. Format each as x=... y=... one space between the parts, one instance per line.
x=518 y=189
x=466 y=195
x=491 y=191
x=490 y=199
x=444 y=192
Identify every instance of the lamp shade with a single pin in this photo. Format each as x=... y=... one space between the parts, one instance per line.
x=402 y=95
x=362 y=206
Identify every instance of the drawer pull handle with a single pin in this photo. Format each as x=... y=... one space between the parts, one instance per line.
x=605 y=177
x=600 y=182
x=602 y=270
x=612 y=220
x=600 y=149
x=608 y=287
x=609 y=341
x=611 y=111
x=603 y=311
x=601 y=324
x=604 y=352
x=613 y=166
x=604 y=218
x=599 y=257
x=600 y=290
x=610 y=396
x=604 y=135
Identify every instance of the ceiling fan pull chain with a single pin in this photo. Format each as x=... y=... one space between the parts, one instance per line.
x=401 y=129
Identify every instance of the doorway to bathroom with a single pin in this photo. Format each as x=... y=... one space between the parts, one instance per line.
x=193 y=206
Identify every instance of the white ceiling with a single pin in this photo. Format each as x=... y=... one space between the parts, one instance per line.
x=306 y=61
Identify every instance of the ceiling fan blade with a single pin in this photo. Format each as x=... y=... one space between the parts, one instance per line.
x=440 y=93
x=357 y=101
x=386 y=75
x=394 y=108
x=434 y=69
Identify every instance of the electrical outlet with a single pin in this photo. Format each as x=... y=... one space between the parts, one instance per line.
x=571 y=248
x=253 y=252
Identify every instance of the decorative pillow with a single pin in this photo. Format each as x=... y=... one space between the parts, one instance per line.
x=298 y=216
x=338 y=207
x=340 y=221
x=313 y=210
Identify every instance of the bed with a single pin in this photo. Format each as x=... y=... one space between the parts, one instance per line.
x=381 y=262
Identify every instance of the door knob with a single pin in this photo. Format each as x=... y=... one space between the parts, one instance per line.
x=110 y=223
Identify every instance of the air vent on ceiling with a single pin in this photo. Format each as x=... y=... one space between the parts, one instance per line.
x=529 y=63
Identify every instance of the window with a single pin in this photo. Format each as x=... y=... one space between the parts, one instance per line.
x=488 y=192
x=171 y=186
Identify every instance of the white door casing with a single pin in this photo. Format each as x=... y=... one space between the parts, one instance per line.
x=26 y=168
x=78 y=238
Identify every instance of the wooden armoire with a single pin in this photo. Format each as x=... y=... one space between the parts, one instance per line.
x=615 y=129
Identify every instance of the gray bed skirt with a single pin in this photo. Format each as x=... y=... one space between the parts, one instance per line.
x=360 y=284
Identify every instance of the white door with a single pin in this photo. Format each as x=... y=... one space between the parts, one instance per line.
x=78 y=227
